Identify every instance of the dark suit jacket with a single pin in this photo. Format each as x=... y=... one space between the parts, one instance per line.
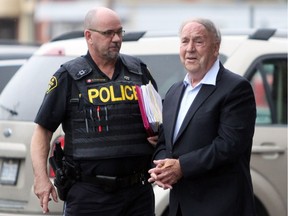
x=213 y=146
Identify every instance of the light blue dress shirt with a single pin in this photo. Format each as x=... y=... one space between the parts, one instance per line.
x=190 y=94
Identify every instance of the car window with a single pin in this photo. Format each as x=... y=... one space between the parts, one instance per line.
x=269 y=82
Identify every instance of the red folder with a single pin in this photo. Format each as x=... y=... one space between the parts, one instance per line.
x=146 y=123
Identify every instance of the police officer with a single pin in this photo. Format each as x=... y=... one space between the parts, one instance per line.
x=106 y=147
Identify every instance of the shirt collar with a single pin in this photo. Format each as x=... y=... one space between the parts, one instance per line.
x=210 y=76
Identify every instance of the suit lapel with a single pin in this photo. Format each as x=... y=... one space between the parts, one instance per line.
x=172 y=113
x=202 y=95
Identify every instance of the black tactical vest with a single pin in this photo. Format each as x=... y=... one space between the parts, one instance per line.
x=105 y=120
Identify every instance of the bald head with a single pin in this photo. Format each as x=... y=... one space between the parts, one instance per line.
x=101 y=16
x=103 y=33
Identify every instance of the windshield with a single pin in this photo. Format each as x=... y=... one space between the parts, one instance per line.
x=6 y=73
x=21 y=98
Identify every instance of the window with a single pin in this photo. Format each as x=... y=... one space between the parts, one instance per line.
x=269 y=82
x=166 y=70
x=8 y=28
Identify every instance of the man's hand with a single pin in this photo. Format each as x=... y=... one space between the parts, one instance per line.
x=166 y=173
x=153 y=140
x=39 y=150
x=43 y=188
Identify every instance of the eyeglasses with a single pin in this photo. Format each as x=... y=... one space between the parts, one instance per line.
x=109 y=33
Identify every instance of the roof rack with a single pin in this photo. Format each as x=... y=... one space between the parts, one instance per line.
x=262 y=34
x=130 y=36
x=69 y=35
x=133 y=36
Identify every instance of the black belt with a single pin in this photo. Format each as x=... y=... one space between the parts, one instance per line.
x=112 y=183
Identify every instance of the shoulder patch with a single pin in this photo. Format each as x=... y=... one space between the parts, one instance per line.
x=53 y=83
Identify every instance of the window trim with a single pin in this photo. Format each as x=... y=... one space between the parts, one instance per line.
x=258 y=65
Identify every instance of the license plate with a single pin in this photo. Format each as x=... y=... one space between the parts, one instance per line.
x=9 y=172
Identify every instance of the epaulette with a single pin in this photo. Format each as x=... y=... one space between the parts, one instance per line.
x=78 y=68
x=132 y=63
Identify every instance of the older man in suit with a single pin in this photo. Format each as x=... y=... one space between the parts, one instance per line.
x=204 y=146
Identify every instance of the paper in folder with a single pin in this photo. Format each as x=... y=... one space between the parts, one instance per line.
x=150 y=104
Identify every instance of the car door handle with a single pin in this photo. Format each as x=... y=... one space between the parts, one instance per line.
x=267 y=149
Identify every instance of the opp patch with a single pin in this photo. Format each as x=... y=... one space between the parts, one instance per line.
x=53 y=83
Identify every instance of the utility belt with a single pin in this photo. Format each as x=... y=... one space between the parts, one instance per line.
x=113 y=183
x=68 y=173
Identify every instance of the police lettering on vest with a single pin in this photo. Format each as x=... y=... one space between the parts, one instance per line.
x=109 y=94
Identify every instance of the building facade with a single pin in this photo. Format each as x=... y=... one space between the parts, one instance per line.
x=38 y=21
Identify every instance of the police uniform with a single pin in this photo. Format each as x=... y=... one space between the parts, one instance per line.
x=104 y=136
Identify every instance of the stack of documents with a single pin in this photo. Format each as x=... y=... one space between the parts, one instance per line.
x=150 y=104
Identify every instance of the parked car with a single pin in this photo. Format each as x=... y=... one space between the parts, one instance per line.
x=260 y=57
x=12 y=57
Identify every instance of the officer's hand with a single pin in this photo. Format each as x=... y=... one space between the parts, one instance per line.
x=153 y=140
x=43 y=188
